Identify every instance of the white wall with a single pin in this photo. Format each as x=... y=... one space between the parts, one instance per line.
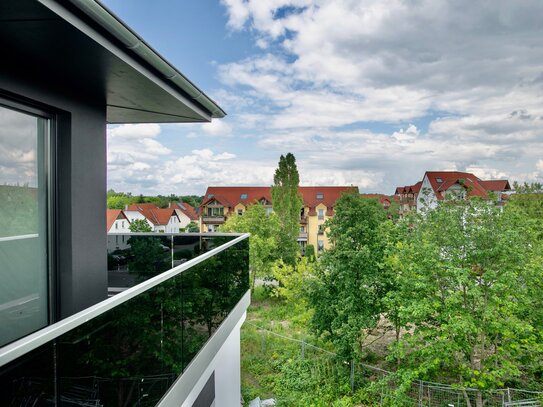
x=226 y=365
x=133 y=215
x=120 y=226
x=426 y=198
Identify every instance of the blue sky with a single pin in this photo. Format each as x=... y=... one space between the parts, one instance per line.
x=367 y=93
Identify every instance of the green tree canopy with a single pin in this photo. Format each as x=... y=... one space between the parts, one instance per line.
x=468 y=280
x=287 y=204
x=350 y=283
x=263 y=244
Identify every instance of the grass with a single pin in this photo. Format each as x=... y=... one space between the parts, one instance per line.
x=273 y=366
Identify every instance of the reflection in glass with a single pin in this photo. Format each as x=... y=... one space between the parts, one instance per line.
x=23 y=224
x=133 y=353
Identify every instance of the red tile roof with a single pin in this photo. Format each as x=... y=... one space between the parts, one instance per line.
x=112 y=215
x=157 y=216
x=231 y=196
x=409 y=189
x=186 y=209
x=441 y=181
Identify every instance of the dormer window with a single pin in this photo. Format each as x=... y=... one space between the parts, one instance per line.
x=243 y=196
x=440 y=180
x=320 y=195
x=210 y=196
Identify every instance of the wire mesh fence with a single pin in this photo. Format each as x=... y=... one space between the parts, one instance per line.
x=379 y=386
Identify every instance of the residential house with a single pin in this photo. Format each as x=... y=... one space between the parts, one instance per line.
x=406 y=197
x=439 y=185
x=117 y=221
x=160 y=219
x=186 y=214
x=117 y=226
x=68 y=68
x=318 y=206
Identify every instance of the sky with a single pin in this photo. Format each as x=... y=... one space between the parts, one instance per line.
x=363 y=92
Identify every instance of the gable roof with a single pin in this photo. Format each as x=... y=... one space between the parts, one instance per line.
x=112 y=215
x=232 y=196
x=441 y=181
x=409 y=189
x=157 y=216
x=187 y=209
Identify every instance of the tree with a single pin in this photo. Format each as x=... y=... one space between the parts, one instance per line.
x=264 y=230
x=140 y=225
x=287 y=204
x=350 y=283
x=468 y=282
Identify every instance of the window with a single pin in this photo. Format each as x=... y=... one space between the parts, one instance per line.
x=116 y=225
x=243 y=196
x=440 y=180
x=25 y=191
x=321 y=230
x=320 y=195
x=321 y=214
x=122 y=224
x=215 y=211
x=302 y=229
x=269 y=211
x=240 y=212
x=210 y=196
x=320 y=245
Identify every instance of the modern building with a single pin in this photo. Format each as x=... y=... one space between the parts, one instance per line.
x=68 y=68
x=318 y=206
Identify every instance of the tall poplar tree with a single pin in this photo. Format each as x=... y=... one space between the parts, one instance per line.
x=287 y=204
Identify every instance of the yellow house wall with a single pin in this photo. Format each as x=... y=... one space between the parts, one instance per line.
x=203 y=226
x=239 y=206
x=313 y=223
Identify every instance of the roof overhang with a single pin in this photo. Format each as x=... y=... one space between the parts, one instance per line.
x=90 y=49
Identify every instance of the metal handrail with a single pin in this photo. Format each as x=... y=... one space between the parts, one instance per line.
x=24 y=345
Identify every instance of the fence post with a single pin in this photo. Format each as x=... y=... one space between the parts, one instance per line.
x=509 y=395
x=352 y=376
x=420 y=393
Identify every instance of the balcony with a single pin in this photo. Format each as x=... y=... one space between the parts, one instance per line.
x=213 y=219
x=302 y=237
x=303 y=220
x=174 y=301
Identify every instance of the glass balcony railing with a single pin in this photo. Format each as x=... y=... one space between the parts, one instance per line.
x=172 y=293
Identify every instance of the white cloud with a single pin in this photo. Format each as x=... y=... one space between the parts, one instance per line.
x=217 y=128
x=135 y=131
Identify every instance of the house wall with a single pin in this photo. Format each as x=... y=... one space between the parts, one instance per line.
x=184 y=220
x=135 y=215
x=118 y=227
x=313 y=223
x=173 y=225
x=427 y=198
x=80 y=211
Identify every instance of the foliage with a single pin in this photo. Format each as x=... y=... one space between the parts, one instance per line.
x=192 y=227
x=263 y=244
x=350 y=283
x=468 y=294
x=293 y=281
x=527 y=188
x=140 y=225
x=310 y=252
x=119 y=200
x=287 y=204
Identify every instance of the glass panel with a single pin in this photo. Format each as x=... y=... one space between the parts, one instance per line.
x=23 y=224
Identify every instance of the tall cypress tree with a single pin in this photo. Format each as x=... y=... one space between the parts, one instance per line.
x=287 y=204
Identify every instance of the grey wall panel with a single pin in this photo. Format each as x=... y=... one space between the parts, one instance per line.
x=81 y=175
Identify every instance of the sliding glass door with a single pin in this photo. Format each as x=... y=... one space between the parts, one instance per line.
x=24 y=221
